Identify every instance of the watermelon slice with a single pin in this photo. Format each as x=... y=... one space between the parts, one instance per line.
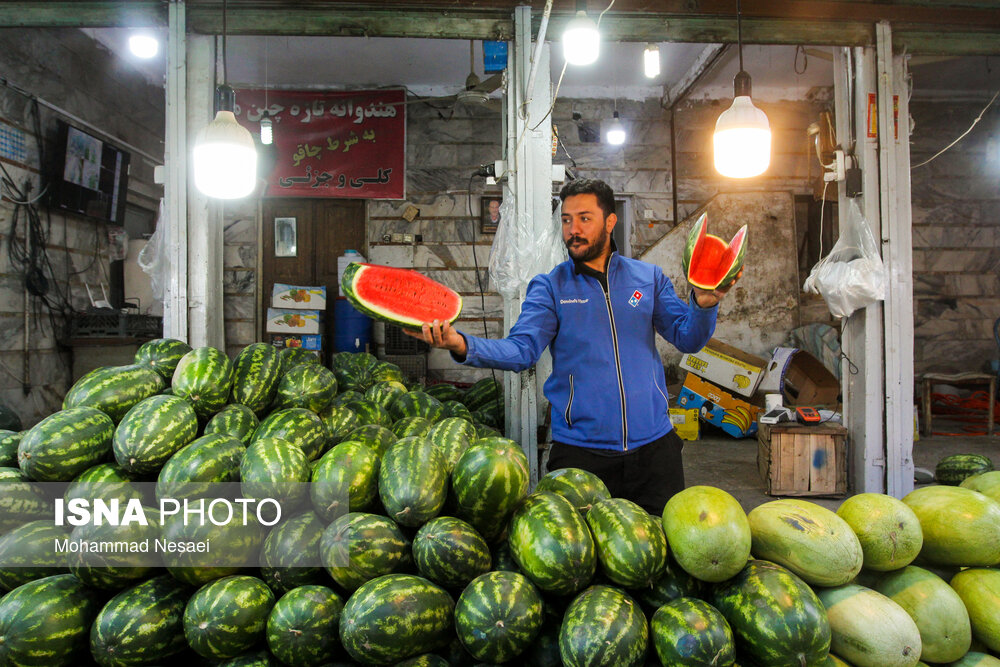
x=399 y=296
x=709 y=262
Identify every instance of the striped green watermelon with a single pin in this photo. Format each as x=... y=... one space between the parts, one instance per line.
x=294 y=356
x=603 y=626
x=808 y=539
x=290 y=556
x=27 y=553
x=114 y=389
x=378 y=438
x=64 y=444
x=411 y=426
x=691 y=632
x=457 y=409
x=490 y=415
x=346 y=396
x=483 y=431
x=674 y=583
x=227 y=617
x=888 y=530
x=395 y=617
x=358 y=547
x=776 y=618
x=308 y=386
x=503 y=559
x=581 y=487
x=938 y=611
x=162 y=355
x=444 y=391
x=345 y=480
x=277 y=469
x=384 y=371
x=21 y=500
x=258 y=658
x=204 y=376
x=141 y=625
x=987 y=483
x=46 y=621
x=191 y=472
x=370 y=412
x=961 y=527
x=339 y=421
x=233 y=546
x=869 y=629
x=299 y=426
x=452 y=436
x=385 y=393
x=416 y=404
x=954 y=469
x=450 y=552
x=9 y=440
x=552 y=544
x=256 y=372
x=412 y=482
x=424 y=660
x=115 y=570
x=498 y=616
x=152 y=432
x=302 y=630
x=236 y=420
x=979 y=589
x=631 y=546
x=482 y=392
x=105 y=481
x=488 y=481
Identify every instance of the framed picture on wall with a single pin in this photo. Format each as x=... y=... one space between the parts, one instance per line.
x=285 y=238
x=489 y=207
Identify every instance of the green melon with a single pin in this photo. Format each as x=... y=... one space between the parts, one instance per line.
x=115 y=389
x=339 y=421
x=228 y=616
x=692 y=633
x=452 y=436
x=631 y=546
x=234 y=545
x=308 y=386
x=27 y=554
x=345 y=480
x=106 y=481
x=21 y=500
x=290 y=556
x=869 y=629
x=141 y=625
x=954 y=469
x=412 y=482
x=116 y=569
x=378 y=438
x=979 y=589
x=301 y=427
x=457 y=409
x=888 y=530
x=443 y=391
x=498 y=616
x=416 y=404
x=162 y=355
x=359 y=547
x=411 y=426
x=277 y=469
x=603 y=626
x=489 y=481
x=303 y=626
x=975 y=659
x=808 y=539
x=708 y=533
x=194 y=470
x=9 y=440
x=370 y=412
x=987 y=483
x=152 y=432
x=204 y=376
x=961 y=527
x=64 y=444
x=236 y=420
x=581 y=487
x=256 y=373
x=385 y=393
x=450 y=552
x=674 y=583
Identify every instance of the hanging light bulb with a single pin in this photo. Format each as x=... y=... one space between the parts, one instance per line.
x=225 y=159
x=143 y=45
x=616 y=131
x=266 y=129
x=581 y=40
x=742 y=141
x=651 y=61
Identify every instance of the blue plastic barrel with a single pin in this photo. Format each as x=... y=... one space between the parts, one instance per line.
x=352 y=331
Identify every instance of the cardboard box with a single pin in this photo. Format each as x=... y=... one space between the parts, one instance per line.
x=686 y=423
x=313 y=342
x=715 y=406
x=281 y=320
x=298 y=297
x=803 y=460
x=800 y=378
x=726 y=366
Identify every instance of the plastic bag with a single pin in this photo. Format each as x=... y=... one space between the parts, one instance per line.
x=852 y=276
x=153 y=258
x=520 y=252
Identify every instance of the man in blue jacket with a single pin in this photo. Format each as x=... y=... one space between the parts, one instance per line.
x=598 y=313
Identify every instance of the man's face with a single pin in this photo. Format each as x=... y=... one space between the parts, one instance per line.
x=585 y=229
x=494 y=210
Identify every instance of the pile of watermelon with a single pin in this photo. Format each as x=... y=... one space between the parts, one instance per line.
x=450 y=559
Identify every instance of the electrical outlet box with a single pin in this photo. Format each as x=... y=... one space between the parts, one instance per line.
x=852 y=183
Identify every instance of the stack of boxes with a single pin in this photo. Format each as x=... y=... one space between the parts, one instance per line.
x=297 y=317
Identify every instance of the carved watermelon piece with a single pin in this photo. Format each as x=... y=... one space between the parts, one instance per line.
x=402 y=297
x=709 y=262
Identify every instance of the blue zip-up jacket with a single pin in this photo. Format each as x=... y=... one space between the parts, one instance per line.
x=607 y=387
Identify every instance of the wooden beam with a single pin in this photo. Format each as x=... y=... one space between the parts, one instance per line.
x=83 y=14
x=705 y=60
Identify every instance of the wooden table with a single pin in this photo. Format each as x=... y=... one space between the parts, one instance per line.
x=960 y=380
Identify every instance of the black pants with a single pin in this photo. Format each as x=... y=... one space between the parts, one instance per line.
x=648 y=475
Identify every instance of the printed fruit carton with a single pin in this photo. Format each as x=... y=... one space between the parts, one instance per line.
x=298 y=297
x=715 y=406
x=280 y=320
x=314 y=342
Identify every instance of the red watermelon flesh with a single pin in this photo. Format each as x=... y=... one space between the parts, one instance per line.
x=709 y=262
x=402 y=297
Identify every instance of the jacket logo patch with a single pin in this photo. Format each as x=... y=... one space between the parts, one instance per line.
x=561 y=301
x=636 y=296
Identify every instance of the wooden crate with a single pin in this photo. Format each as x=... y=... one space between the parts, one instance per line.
x=800 y=460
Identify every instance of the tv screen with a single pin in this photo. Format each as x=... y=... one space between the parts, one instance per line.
x=90 y=176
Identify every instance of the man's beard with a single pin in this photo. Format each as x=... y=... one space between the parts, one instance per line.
x=590 y=251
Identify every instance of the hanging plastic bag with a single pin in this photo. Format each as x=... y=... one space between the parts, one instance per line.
x=852 y=276
x=520 y=251
x=153 y=258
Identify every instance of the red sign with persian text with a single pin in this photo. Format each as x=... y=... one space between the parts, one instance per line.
x=331 y=144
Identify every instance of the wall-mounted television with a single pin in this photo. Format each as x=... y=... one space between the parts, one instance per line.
x=89 y=175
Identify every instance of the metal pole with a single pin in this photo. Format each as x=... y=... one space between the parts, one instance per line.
x=174 y=221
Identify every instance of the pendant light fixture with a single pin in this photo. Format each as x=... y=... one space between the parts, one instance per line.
x=581 y=40
x=225 y=159
x=651 y=61
x=616 y=131
x=742 y=140
x=266 y=124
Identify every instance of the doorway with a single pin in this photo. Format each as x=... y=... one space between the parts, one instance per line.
x=302 y=239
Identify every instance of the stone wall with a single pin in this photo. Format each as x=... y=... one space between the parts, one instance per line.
x=956 y=236
x=69 y=70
